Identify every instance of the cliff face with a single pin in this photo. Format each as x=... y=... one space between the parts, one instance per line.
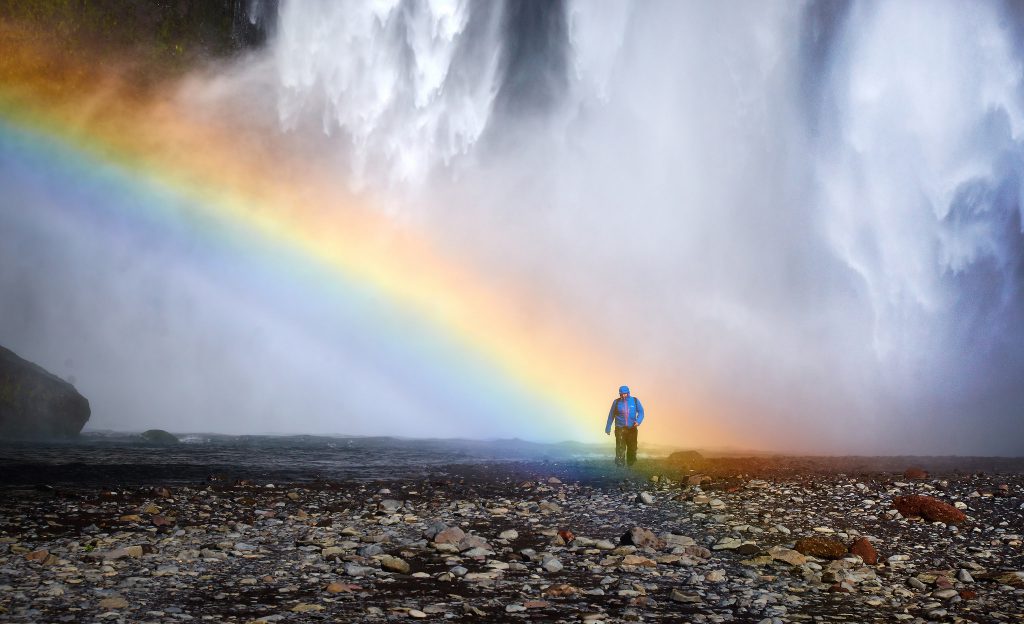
x=37 y=404
x=165 y=34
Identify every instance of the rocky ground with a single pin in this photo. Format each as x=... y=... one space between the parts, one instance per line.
x=729 y=540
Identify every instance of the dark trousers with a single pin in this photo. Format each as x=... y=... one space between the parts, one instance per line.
x=625 y=445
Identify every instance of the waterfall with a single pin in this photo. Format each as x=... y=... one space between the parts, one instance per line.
x=814 y=201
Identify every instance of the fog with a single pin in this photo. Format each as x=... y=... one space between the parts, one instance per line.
x=800 y=221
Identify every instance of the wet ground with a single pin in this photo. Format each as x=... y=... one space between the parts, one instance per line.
x=284 y=535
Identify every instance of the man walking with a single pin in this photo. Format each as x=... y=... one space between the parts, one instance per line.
x=627 y=413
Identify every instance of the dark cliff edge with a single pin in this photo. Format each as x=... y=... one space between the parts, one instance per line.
x=166 y=34
x=34 y=403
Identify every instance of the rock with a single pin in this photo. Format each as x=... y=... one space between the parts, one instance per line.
x=365 y=551
x=352 y=569
x=931 y=509
x=693 y=550
x=715 y=576
x=685 y=458
x=416 y=613
x=120 y=553
x=159 y=436
x=550 y=507
x=560 y=590
x=645 y=498
x=551 y=564
x=821 y=547
x=1012 y=578
x=515 y=608
x=114 y=602
x=727 y=543
x=451 y=535
x=390 y=505
x=685 y=597
x=37 y=404
x=40 y=555
x=863 y=548
x=554 y=480
x=304 y=607
x=643 y=538
x=510 y=534
x=637 y=560
x=567 y=536
x=394 y=564
x=915 y=472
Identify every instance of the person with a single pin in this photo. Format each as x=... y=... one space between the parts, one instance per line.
x=627 y=413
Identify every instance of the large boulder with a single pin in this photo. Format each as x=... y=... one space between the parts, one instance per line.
x=931 y=509
x=37 y=404
x=159 y=436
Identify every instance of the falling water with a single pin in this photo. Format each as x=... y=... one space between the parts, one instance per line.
x=805 y=212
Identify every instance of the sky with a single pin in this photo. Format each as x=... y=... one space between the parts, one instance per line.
x=787 y=226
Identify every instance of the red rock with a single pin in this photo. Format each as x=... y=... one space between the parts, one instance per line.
x=536 y=604
x=915 y=473
x=839 y=588
x=566 y=535
x=821 y=547
x=863 y=548
x=968 y=594
x=159 y=521
x=931 y=509
x=342 y=588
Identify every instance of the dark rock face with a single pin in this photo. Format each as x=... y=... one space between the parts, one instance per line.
x=37 y=404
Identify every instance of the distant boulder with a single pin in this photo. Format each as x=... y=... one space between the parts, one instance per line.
x=159 y=436
x=37 y=404
x=915 y=472
x=685 y=458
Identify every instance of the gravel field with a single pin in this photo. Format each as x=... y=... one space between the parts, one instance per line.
x=729 y=539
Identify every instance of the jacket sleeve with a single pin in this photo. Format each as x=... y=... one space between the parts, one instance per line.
x=639 y=411
x=611 y=417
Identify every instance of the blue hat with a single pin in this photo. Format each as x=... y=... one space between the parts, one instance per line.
x=623 y=389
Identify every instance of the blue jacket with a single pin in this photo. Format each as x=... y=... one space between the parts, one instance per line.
x=633 y=414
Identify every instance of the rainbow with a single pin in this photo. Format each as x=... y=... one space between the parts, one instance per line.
x=225 y=189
